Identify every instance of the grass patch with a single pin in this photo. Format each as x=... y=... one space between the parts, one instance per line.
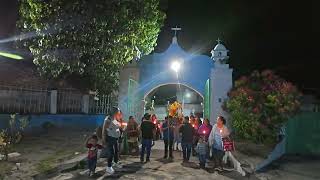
x=5 y=167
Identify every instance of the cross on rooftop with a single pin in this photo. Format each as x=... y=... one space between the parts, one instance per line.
x=218 y=40
x=175 y=29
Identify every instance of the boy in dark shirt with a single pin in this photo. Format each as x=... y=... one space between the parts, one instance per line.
x=93 y=146
x=147 y=131
x=168 y=136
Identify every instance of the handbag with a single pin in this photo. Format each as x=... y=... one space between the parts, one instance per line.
x=228 y=144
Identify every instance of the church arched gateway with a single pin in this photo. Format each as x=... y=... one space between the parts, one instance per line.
x=210 y=77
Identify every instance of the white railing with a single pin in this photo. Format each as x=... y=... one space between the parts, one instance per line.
x=23 y=100
x=29 y=100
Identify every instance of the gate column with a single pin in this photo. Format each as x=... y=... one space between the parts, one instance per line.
x=221 y=83
x=130 y=71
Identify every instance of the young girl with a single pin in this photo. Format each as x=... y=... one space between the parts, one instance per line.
x=202 y=152
x=93 y=146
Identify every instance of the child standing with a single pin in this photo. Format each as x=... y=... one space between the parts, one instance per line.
x=93 y=146
x=202 y=152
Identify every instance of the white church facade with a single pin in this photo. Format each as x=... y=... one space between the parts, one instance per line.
x=210 y=77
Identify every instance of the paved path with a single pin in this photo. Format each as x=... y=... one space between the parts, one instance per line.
x=158 y=168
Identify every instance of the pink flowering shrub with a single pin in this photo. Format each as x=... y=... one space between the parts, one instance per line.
x=259 y=104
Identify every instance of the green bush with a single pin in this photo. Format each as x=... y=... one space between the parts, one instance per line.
x=13 y=134
x=259 y=104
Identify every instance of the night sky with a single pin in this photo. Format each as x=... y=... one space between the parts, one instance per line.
x=259 y=34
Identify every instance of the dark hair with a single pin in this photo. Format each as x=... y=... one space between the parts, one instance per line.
x=166 y=117
x=186 y=118
x=222 y=119
x=206 y=119
x=130 y=117
x=147 y=116
x=95 y=137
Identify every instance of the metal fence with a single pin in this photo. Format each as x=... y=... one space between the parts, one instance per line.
x=23 y=100
x=29 y=100
x=69 y=101
x=101 y=104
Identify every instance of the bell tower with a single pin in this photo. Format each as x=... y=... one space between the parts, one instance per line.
x=220 y=80
x=219 y=53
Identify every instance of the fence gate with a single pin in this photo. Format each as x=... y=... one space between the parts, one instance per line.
x=133 y=105
x=303 y=134
x=207 y=100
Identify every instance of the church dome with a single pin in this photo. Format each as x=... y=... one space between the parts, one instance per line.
x=220 y=47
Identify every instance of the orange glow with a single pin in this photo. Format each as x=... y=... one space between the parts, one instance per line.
x=124 y=124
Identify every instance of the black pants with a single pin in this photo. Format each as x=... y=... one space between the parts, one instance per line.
x=217 y=156
x=113 y=150
x=92 y=162
x=168 y=144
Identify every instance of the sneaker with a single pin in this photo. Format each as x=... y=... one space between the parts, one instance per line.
x=118 y=165
x=110 y=170
x=148 y=160
x=220 y=169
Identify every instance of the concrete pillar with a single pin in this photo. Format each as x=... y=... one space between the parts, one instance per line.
x=221 y=83
x=131 y=71
x=85 y=104
x=53 y=101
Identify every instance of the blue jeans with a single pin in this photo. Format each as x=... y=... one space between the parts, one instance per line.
x=92 y=163
x=113 y=150
x=146 y=145
x=186 y=149
x=202 y=159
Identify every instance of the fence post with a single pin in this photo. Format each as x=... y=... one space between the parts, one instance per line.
x=53 y=101
x=85 y=104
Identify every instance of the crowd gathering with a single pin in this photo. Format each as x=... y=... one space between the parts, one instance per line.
x=190 y=135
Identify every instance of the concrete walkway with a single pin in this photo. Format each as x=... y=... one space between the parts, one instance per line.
x=158 y=168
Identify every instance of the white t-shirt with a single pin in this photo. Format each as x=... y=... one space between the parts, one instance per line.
x=114 y=129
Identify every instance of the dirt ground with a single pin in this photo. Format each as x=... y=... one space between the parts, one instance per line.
x=42 y=153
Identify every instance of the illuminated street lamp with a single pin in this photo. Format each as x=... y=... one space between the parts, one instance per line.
x=175 y=66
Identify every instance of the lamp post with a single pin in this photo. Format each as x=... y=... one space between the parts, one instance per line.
x=175 y=66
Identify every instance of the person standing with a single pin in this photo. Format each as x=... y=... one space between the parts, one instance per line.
x=93 y=146
x=202 y=152
x=133 y=134
x=177 y=138
x=187 y=133
x=148 y=132
x=195 y=125
x=219 y=131
x=205 y=129
x=111 y=133
x=168 y=136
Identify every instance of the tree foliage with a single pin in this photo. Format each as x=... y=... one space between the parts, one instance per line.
x=92 y=39
x=259 y=104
